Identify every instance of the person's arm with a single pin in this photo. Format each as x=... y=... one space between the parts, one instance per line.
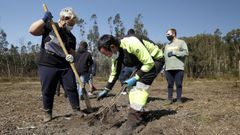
x=183 y=51
x=115 y=71
x=139 y=50
x=94 y=68
x=90 y=60
x=90 y=63
x=37 y=28
x=72 y=52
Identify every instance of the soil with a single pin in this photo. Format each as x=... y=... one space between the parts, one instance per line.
x=209 y=107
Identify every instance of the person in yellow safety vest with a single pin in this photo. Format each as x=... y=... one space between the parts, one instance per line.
x=132 y=51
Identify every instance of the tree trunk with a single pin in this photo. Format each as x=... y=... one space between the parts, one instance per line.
x=9 y=72
x=239 y=69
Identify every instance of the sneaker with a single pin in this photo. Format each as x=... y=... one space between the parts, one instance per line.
x=47 y=116
x=168 y=101
x=124 y=93
x=90 y=94
x=78 y=112
x=179 y=101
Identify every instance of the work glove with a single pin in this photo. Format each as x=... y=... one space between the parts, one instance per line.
x=69 y=58
x=47 y=17
x=130 y=82
x=170 y=54
x=103 y=93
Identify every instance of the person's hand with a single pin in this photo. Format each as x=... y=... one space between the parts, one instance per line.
x=170 y=54
x=47 y=17
x=103 y=93
x=130 y=82
x=69 y=58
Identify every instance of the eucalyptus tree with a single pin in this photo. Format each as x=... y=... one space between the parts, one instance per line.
x=118 y=26
x=139 y=26
x=232 y=38
x=110 y=23
x=93 y=34
x=81 y=24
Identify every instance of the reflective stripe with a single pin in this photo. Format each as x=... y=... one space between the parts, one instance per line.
x=137 y=77
x=138 y=98
x=113 y=71
x=136 y=107
x=140 y=85
x=111 y=77
x=147 y=67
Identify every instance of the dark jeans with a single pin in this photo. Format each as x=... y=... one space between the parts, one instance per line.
x=49 y=77
x=125 y=73
x=177 y=77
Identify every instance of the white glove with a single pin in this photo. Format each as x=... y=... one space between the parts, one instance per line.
x=69 y=58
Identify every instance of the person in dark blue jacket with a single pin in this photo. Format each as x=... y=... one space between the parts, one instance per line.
x=83 y=65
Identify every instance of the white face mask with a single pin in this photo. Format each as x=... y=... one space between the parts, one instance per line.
x=115 y=56
x=68 y=27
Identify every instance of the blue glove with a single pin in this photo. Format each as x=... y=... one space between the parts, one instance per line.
x=170 y=54
x=47 y=17
x=130 y=82
x=103 y=94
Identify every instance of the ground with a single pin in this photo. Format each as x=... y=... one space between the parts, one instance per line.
x=210 y=107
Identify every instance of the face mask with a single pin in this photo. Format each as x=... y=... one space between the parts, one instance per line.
x=170 y=38
x=68 y=27
x=115 y=56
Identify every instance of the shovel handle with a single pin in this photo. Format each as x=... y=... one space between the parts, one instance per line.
x=45 y=8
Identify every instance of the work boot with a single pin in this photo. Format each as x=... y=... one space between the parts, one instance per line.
x=78 y=112
x=133 y=119
x=47 y=116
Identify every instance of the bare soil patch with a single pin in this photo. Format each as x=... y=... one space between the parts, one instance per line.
x=209 y=107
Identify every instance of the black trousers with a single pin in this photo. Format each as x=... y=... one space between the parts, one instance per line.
x=49 y=77
x=149 y=77
x=177 y=77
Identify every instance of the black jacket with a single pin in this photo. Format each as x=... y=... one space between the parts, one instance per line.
x=52 y=59
x=83 y=61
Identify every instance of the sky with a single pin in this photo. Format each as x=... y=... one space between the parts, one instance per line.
x=189 y=17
